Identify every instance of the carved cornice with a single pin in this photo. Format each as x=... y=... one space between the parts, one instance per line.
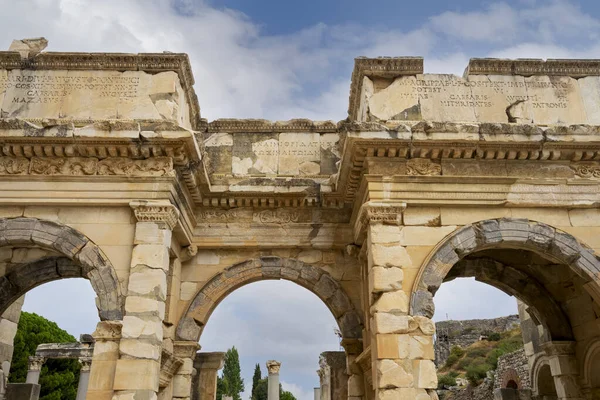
x=147 y=62
x=155 y=166
x=386 y=67
x=376 y=213
x=265 y=126
x=160 y=212
x=528 y=67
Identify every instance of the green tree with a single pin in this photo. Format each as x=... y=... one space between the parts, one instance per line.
x=58 y=378
x=255 y=380
x=231 y=383
x=262 y=391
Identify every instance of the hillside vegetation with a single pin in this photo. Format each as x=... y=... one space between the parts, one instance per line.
x=474 y=362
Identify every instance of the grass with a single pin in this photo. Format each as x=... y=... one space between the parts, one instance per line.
x=475 y=361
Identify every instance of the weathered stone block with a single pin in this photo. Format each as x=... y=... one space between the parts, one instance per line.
x=385 y=279
x=390 y=256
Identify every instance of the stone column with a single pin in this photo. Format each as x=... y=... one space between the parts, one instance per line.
x=207 y=366
x=34 y=368
x=182 y=380
x=84 y=378
x=563 y=366
x=273 y=387
x=402 y=350
x=317 y=394
x=356 y=386
x=8 y=329
x=104 y=361
x=138 y=367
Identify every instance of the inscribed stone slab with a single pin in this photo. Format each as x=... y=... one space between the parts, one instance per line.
x=555 y=100
x=590 y=96
x=299 y=154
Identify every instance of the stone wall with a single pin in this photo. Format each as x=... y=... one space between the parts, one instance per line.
x=512 y=367
x=465 y=333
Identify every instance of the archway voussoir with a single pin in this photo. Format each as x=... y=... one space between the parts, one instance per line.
x=464 y=240
x=422 y=304
x=19 y=230
x=188 y=330
x=350 y=325
x=514 y=230
x=269 y=272
x=340 y=303
x=271 y=261
x=68 y=269
x=487 y=232
x=325 y=288
x=310 y=275
x=540 y=235
x=565 y=246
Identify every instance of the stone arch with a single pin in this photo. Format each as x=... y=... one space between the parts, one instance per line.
x=310 y=277
x=506 y=233
x=511 y=380
x=591 y=365
x=541 y=378
x=80 y=257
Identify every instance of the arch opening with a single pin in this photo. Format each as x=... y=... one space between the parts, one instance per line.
x=545 y=383
x=310 y=277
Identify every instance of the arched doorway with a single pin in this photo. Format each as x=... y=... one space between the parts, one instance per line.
x=313 y=278
x=36 y=251
x=547 y=269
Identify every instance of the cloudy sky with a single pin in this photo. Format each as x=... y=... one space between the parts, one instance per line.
x=288 y=59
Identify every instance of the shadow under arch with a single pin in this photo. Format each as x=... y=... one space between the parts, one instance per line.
x=507 y=233
x=310 y=277
x=79 y=258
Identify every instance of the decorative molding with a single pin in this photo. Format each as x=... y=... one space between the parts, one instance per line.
x=35 y=363
x=265 y=126
x=586 y=169
x=386 y=67
x=73 y=166
x=382 y=213
x=273 y=367
x=423 y=166
x=152 y=63
x=278 y=216
x=169 y=365
x=160 y=212
x=188 y=252
x=86 y=364
x=529 y=67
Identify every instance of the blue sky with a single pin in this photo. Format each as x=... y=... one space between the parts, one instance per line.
x=281 y=59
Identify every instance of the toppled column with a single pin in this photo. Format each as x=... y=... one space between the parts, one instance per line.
x=273 y=387
x=34 y=368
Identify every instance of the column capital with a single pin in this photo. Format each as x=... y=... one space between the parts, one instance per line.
x=185 y=349
x=352 y=346
x=273 y=367
x=108 y=331
x=36 y=363
x=377 y=212
x=214 y=360
x=161 y=212
x=86 y=363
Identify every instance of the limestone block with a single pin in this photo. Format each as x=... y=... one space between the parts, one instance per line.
x=555 y=100
x=589 y=88
x=425 y=374
x=390 y=323
x=402 y=393
x=390 y=374
x=137 y=375
x=421 y=347
x=135 y=348
x=106 y=350
x=446 y=98
x=384 y=234
x=149 y=328
x=356 y=387
x=135 y=305
x=426 y=325
x=366 y=92
x=148 y=282
x=188 y=290
x=151 y=255
x=393 y=301
x=151 y=233
x=584 y=217
x=22 y=99
x=207 y=257
x=428 y=216
x=390 y=255
x=423 y=236
x=385 y=279
x=498 y=95
x=299 y=153
x=310 y=256
x=399 y=101
x=182 y=385
x=463 y=216
x=8 y=330
x=388 y=347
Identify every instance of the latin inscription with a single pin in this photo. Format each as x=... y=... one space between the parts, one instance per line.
x=447 y=91
x=51 y=89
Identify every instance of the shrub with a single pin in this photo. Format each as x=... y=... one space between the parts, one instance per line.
x=451 y=360
x=477 y=352
x=457 y=350
x=446 y=381
x=477 y=372
x=494 y=337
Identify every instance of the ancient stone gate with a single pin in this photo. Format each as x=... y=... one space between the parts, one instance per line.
x=109 y=173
